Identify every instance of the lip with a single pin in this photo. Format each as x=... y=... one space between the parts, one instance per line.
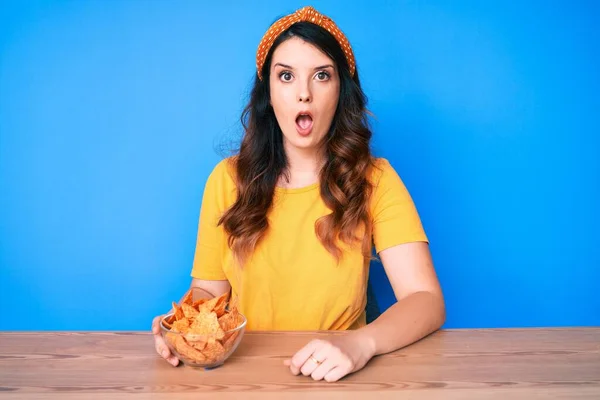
x=307 y=131
x=305 y=112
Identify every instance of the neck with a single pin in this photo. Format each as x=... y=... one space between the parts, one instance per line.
x=304 y=166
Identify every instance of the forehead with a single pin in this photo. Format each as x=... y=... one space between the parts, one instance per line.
x=298 y=53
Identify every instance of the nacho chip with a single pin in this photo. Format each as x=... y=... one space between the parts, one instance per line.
x=229 y=340
x=237 y=317
x=208 y=306
x=189 y=311
x=228 y=322
x=221 y=305
x=213 y=350
x=234 y=303
x=187 y=299
x=188 y=351
x=216 y=304
x=181 y=325
x=198 y=303
x=177 y=312
x=207 y=324
x=197 y=342
x=171 y=338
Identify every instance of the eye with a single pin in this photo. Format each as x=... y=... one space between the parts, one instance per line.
x=323 y=75
x=285 y=76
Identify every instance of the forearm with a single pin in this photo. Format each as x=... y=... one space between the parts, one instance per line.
x=405 y=322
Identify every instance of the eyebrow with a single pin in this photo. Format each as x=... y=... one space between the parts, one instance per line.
x=290 y=67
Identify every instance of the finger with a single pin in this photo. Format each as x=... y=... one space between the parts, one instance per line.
x=161 y=347
x=336 y=374
x=302 y=355
x=311 y=365
x=163 y=350
x=324 y=368
x=174 y=361
x=326 y=351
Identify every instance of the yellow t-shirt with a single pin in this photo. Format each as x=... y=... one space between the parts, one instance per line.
x=291 y=282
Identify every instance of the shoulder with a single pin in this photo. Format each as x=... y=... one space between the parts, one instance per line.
x=381 y=171
x=224 y=170
x=393 y=212
x=221 y=179
x=388 y=187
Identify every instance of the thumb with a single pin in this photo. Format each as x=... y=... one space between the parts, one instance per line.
x=155 y=327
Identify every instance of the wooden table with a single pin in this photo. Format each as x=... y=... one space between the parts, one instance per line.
x=451 y=364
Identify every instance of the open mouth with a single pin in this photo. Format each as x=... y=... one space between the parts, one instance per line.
x=304 y=123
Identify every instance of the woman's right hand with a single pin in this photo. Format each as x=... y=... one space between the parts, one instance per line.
x=159 y=344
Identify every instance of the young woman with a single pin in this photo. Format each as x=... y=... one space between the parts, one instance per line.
x=288 y=224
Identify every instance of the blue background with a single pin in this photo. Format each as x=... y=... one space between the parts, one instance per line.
x=111 y=111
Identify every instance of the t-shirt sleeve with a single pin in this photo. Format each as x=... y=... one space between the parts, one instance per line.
x=211 y=239
x=395 y=217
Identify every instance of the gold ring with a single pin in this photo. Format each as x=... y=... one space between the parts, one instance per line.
x=315 y=360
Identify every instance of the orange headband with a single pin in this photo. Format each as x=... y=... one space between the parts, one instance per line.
x=305 y=14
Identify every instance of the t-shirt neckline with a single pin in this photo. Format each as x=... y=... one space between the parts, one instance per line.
x=297 y=190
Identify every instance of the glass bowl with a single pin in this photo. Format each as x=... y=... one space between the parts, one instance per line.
x=203 y=350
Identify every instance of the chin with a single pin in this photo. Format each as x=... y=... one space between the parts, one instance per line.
x=304 y=143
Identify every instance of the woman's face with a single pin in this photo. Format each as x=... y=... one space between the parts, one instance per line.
x=305 y=89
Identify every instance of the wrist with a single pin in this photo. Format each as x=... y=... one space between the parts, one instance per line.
x=367 y=342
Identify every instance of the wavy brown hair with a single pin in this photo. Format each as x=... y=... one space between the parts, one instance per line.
x=344 y=178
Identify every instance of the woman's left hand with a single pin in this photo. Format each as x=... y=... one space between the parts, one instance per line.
x=334 y=358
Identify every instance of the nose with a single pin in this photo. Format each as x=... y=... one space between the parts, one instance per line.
x=304 y=95
x=304 y=99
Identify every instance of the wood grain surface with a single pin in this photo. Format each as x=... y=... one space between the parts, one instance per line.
x=450 y=364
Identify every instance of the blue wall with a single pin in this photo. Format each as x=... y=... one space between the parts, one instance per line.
x=110 y=113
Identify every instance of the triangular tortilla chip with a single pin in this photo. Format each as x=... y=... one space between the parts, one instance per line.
x=181 y=325
x=208 y=306
x=188 y=351
x=178 y=312
x=167 y=324
x=213 y=350
x=229 y=340
x=197 y=303
x=221 y=304
x=197 y=342
x=189 y=311
x=228 y=322
x=187 y=299
x=216 y=304
x=207 y=324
